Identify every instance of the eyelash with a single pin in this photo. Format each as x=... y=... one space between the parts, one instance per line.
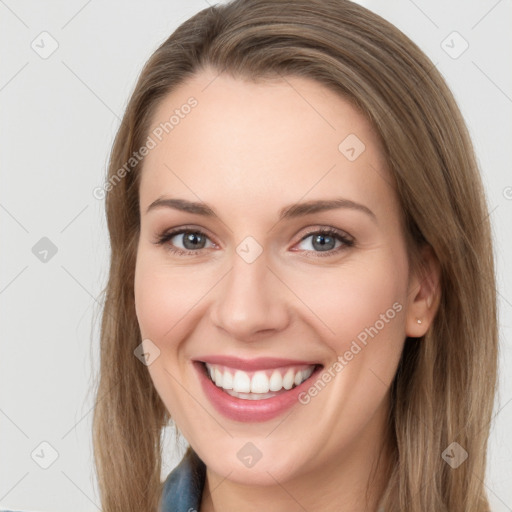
x=339 y=235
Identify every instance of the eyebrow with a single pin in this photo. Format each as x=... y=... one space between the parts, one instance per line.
x=288 y=212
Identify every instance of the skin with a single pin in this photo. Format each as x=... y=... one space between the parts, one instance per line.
x=247 y=150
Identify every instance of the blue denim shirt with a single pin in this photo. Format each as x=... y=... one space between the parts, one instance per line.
x=183 y=487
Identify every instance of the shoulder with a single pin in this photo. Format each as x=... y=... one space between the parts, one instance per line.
x=183 y=487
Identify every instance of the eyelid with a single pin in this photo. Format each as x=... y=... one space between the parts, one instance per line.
x=327 y=229
x=179 y=229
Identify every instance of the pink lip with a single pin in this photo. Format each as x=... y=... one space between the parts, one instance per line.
x=239 y=409
x=260 y=363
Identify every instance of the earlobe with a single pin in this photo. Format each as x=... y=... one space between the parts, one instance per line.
x=424 y=295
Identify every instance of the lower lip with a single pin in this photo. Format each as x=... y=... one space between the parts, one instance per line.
x=239 y=409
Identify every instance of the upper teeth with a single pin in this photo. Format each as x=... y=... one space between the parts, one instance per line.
x=261 y=381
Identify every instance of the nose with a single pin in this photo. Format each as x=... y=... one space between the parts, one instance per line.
x=251 y=300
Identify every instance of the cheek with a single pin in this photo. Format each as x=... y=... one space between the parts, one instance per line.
x=357 y=297
x=163 y=296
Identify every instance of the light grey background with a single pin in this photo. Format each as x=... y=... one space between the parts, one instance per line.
x=59 y=116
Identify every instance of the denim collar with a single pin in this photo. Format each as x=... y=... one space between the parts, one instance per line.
x=183 y=487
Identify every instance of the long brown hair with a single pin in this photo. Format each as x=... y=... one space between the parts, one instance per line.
x=444 y=388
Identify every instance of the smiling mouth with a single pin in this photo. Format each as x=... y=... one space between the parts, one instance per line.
x=260 y=384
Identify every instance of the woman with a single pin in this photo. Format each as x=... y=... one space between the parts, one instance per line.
x=301 y=273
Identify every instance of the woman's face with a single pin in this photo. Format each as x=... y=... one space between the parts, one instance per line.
x=260 y=294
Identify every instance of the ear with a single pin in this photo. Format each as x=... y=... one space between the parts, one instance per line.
x=423 y=294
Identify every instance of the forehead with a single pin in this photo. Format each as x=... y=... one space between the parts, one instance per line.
x=244 y=141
